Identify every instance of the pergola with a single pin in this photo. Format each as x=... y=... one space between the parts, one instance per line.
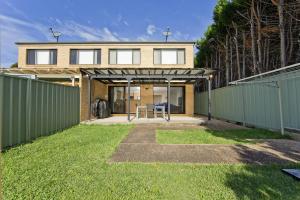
x=52 y=73
x=144 y=75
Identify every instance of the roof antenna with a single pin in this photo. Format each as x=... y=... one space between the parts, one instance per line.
x=55 y=34
x=167 y=33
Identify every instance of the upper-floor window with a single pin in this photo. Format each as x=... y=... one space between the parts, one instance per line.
x=85 y=56
x=41 y=56
x=124 y=56
x=169 y=56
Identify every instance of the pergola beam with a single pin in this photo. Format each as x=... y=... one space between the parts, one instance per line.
x=153 y=76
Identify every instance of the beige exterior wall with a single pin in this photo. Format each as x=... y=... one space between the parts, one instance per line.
x=146 y=94
x=84 y=104
x=101 y=90
x=63 y=54
x=189 y=99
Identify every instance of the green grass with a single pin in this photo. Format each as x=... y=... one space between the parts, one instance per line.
x=206 y=136
x=73 y=165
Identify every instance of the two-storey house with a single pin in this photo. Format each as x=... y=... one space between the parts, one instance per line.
x=127 y=74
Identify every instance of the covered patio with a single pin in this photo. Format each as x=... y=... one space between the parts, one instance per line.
x=124 y=120
x=132 y=76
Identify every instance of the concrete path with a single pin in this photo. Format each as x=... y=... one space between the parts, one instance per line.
x=140 y=146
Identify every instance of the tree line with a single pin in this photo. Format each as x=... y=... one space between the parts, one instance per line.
x=249 y=37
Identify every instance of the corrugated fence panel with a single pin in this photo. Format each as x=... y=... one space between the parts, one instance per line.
x=256 y=104
x=30 y=109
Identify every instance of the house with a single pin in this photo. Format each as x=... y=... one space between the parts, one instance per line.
x=156 y=73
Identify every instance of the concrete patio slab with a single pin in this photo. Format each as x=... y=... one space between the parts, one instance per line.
x=134 y=120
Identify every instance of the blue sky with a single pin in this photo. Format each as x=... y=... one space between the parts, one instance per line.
x=92 y=20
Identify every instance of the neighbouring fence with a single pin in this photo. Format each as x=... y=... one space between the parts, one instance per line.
x=31 y=108
x=256 y=102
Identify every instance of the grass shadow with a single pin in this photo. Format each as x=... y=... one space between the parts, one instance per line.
x=248 y=136
x=262 y=182
x=209 y=136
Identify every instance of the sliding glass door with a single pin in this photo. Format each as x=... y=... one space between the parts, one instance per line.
x=160 y=97
x=118 y=99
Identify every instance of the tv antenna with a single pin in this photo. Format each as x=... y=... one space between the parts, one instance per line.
x=55 y=34
x=167 y=33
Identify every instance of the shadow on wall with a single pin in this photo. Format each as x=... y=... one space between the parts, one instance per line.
x=262 y=182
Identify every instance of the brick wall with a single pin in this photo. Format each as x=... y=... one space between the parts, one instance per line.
x=101 y=90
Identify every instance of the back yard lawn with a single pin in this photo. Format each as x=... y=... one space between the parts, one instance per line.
x=206 y=136
x=73 y=165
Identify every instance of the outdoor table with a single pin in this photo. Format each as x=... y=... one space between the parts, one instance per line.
x=138 y=108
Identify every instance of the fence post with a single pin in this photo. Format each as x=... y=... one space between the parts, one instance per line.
x=244 y=111
x=280 y=107
x=28 y=109
x=209 y=98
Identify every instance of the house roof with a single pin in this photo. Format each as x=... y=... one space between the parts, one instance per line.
x=107 y=42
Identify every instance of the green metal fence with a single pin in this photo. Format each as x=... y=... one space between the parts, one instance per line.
x=257 y=102
x=30 y=109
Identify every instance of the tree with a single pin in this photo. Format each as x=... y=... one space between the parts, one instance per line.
x=249 y=37
x=15 y=65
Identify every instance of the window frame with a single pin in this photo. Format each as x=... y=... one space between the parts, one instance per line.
x=51 y=62
x=124 y=97
x=183 y=97
x=88 y=49
x=126 y=49
x=170 y=49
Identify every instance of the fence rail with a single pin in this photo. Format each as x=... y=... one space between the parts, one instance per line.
x=30 y=109
x=257 y=102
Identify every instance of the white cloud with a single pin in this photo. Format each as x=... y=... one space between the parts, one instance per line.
x=11 y=31
x=126 y=23
x=143 y=38
x=120 y=21
x=151 y=29
x=15 y=30
x=14 y=9
x=83 y=32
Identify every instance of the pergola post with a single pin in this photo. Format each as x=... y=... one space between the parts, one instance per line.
x=128 y=98
x=169 y=98
x=209 y=98
x=89 y=97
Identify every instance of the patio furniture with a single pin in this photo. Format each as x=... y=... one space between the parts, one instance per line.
x=150 y=108
x=160 y=110
x=138 y=109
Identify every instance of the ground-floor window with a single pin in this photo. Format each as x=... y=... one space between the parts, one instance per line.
x=118 y=99
x=160 y=97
